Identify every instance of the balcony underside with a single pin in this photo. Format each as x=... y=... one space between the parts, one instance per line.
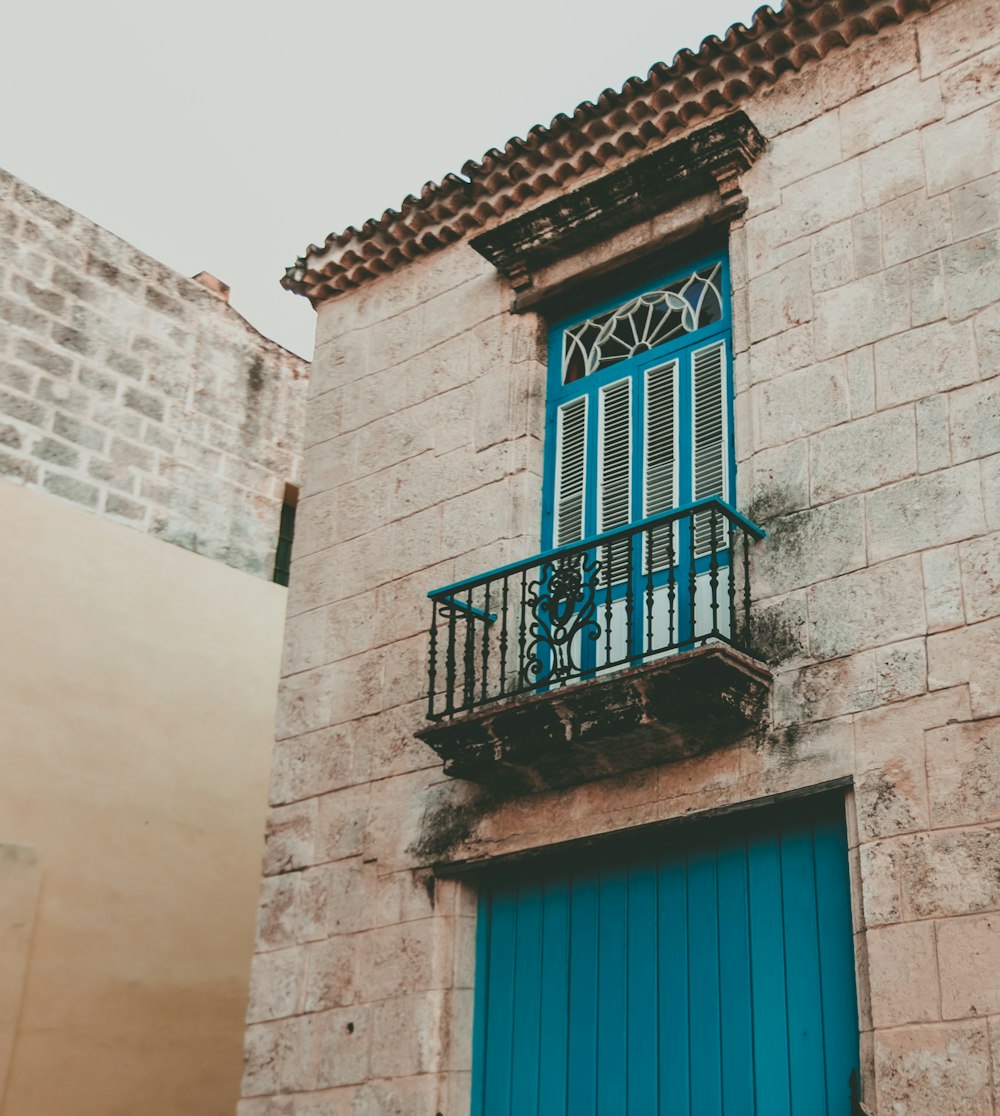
x=665 y=710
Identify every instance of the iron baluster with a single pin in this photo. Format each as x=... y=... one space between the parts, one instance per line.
x=486 y=641
x=503 y=636
x=629 y=596
x=450 y=665
x=671 y=585
x=607 y=605
x=692 y=577
x=649 y=590
x=732 y=582
x=432 y=661
x=713 y=571
x=523 y=634
x=469 y=680
x=747 y=635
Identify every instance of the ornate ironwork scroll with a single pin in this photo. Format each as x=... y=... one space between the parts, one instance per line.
x=563 y=607
x=643 y=323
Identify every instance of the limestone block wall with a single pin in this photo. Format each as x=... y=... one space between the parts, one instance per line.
x=137 y=393
x=867 y=412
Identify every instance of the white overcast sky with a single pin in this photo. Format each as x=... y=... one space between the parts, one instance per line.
x=226 y=135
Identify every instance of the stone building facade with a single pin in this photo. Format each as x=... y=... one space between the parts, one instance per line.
x=843 y=161
x=147 y=437
x=137 y=392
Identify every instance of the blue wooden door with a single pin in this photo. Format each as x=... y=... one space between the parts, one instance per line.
x=698 y=979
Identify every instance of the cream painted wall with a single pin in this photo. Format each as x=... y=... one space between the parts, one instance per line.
x=137 y=685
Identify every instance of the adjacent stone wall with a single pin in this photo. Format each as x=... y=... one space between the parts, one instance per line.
x=866 y=280
x=138 y=393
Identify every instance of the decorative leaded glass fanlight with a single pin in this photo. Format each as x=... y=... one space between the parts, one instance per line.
x=642 y=323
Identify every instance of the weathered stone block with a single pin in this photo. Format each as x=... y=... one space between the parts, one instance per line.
x=906 y=517
x=864 y=454
x=780 y=483
x=889 y=111
x=961 y=151
x=972 y=273
x=951 y=872
x=408 y=1034
x=901 y=670
x=902 y=970
x=289 y=837
x=892 y=170
x=331 y=972
x=344 y=1039
x=974 y=414
x=969 y=958
x=942 y=588
x=860 y=312
x=785 y=352
x=800 y=403
x=831 y=256
x=824 y=690
x=933 y=442
x=954 y=33
x=880 y=895
x=968 y=655
x=866 y=236
x=340 y=823
x=302 y=766
x=277 y=912
x=305 y=702
x=963 y=772
x=938 y=1068
x=401 y=959
x=866 y=608
x=975 y=208
x=335 y=899
x=275 y=983
x=809 y=546
x=980 y=560
x=914 y=224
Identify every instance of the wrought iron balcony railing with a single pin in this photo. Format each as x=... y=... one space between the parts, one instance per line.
x=663 y=585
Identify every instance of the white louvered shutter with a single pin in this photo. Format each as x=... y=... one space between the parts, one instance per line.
x=709 y=439
x=571 y=457
x=660 y=454
x=615 y=472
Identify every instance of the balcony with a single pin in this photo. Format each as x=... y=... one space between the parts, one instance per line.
x=628 y=649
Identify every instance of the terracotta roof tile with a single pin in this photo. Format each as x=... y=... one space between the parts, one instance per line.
x=619 y=125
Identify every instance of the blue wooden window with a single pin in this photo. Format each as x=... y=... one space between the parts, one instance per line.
x=713 y=977
x=639 y=421
x=639 y=405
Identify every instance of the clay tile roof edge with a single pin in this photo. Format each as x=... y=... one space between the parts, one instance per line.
x=721 y=74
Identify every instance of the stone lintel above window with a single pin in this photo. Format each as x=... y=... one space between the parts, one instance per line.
x=709 y=159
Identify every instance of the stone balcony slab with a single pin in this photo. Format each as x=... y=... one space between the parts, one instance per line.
x=665 y=710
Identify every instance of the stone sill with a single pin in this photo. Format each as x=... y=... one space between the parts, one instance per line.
x=669 y=709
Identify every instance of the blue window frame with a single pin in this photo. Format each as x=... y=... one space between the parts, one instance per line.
x=639 y=421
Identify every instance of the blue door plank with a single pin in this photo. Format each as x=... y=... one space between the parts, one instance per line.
x=703 y=996
x=805 y=1023
x=734 y=981
x=482 y=980
x=582 y=1061
x=674 y=1037
x=500 y=1004
x=527 y=1002
x=840 y=1009
x=554 y=1021
x=767 y=968
x=612 y=990
x=642 y=1085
